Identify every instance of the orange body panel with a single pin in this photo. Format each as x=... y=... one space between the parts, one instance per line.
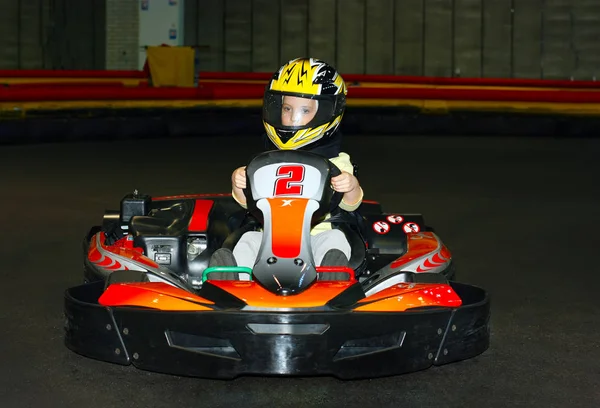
x=287 y=217
x=445 y=252
x=161 y=296
x=255 y=295
x=419 y=245
x=404 y=296
x=153 y=295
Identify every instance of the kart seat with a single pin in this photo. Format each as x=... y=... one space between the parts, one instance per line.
x=145 y=225
x=170 y=221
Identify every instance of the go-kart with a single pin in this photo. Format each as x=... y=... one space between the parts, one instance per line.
x=157 y=294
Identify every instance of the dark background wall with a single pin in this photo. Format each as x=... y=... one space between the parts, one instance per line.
x=468 y=38
x=52 y=34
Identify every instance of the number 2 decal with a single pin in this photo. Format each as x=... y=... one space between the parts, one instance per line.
x=290 y=182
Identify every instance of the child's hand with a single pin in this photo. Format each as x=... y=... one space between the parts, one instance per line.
x=344 y=183
x=238 y=178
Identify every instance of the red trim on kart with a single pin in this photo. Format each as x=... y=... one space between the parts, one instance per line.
x=133 y=254
x=337 y=269
x=199 y=220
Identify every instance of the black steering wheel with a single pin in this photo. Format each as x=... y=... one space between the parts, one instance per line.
x=336 y=197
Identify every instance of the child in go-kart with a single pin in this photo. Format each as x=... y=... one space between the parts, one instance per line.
x=303 y=106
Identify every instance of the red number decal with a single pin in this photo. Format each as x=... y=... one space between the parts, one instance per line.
x=290 y=183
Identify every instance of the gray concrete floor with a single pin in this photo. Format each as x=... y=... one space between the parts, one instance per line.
x=521 y=217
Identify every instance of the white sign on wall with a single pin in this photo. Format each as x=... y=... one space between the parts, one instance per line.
x=161 y=22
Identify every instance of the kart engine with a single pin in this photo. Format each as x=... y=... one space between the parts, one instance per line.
x=195 y=246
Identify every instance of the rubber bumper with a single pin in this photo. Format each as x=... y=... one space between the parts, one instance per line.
x=224 y=344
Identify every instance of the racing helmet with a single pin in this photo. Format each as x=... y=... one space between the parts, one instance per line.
x=303 y=103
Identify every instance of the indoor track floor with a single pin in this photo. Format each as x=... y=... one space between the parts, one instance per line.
x=521 y=217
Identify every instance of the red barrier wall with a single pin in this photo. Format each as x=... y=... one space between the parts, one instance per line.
x=65 y=73
x=572 y=92
x=62 y=85
x=349 y=78
x=217 y=91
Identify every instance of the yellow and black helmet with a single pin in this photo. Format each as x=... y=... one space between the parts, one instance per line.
x=304 y=102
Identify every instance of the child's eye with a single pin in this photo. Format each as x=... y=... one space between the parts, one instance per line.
x=286 y=108
x=306 y=111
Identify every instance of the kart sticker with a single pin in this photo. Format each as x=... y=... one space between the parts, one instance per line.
x=411 y=227
x=290 y=180
x=286 y=179
x=381 y=227
x=395 y=219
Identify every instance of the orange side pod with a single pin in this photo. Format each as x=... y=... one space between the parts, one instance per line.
x=152 y=295
x=406 y=296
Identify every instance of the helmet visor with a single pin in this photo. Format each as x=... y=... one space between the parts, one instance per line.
x=295 y=112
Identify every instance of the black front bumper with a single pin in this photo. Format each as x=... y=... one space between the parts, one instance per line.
x=227 y=344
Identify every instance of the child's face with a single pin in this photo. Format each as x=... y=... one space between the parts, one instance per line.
x=296 y=111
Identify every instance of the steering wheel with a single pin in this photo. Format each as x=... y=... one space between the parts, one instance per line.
x=336 y=197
